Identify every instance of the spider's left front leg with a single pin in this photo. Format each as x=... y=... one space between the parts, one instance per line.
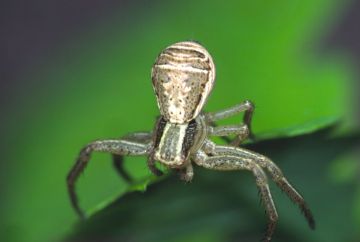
x=228 y=163
x=118 y=160
x=118 y=147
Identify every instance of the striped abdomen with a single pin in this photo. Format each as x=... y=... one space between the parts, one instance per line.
x=183 y=76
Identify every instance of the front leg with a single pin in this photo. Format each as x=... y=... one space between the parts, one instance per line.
x=118 y=160
x=275 y=173
x=229 y=163
x=118 y=147
x=246 y=106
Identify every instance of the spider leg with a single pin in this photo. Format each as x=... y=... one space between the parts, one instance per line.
x=118 y=163
x=152 y=167
x=187 y=173
x=118 y=160
x=241 y=131
x=246 y=106
x=274 y=171
x=228 y=163
x=119 y=147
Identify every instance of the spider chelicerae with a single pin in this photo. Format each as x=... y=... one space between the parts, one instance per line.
x=183 y=76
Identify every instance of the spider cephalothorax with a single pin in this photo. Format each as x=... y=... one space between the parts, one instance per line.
x=183 y=76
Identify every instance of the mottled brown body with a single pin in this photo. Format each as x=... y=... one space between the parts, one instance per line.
x=183 y=76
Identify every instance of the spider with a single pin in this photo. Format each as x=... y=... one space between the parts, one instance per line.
x=183 y=76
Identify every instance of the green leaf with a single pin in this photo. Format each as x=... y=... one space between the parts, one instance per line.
x=300 y=129
x=136 y=186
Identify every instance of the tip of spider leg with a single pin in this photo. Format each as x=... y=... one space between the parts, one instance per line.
x=309 y=217
x=186 y=180
x=268 y=232
x=300 y=202
x=184 y=177
x=266 y=237
x=157 y=173
x=312 y=225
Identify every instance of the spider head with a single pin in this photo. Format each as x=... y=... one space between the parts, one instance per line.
x=182 y=76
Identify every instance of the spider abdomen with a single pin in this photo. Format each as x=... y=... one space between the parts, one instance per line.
x=183 y=76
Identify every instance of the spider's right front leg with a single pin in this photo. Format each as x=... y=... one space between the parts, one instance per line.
x=276 y=174
x=118 y=147
x=229 y=163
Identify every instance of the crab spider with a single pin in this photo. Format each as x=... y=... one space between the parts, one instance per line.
x=183 y=76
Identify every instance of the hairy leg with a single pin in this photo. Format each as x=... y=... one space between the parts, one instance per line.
x=227 y=163
x=118 y=163
x=241 y=131
x=274 y=171
x=118 y=160
x=119 y=147
x=246 y=106
x=152 y=167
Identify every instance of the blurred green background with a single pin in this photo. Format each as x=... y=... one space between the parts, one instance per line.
x=95 y=83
